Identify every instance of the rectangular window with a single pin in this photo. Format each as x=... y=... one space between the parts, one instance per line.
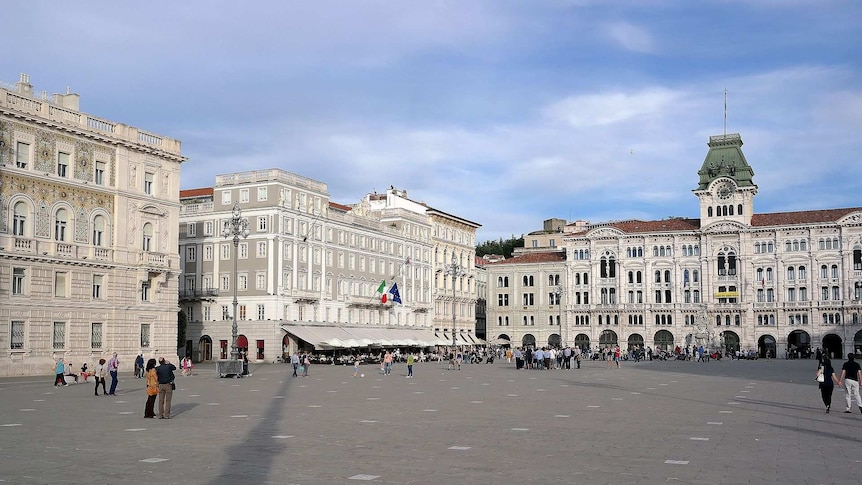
x=99 y=175
x=260 y=349
x=261 y=249
x=261 y=193
x=22 y=156
x=206 y=314
x=243 y=251
x=225 y=282
x=62 y=164
x=59 y=339
x=96 y=335
x=225 y=251
x=97 y=286
x=242 y=313
x=261 y=281
x=145 y=335
x=145 y=291
x=60 y=284
x=191 y=229
x=148 y=183
x=225 y=197
x=18 y=280
x=208 y=253
x=208 y=228
x=261 y=224
x=16 y=337
x=225 y=315
x=243 y=196
x=261 y=312
x=191 y=254
x=242 y=282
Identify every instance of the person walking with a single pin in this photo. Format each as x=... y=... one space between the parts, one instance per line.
x=99 y=374
x=152 y=388
x=827 y=380
x=387 y=364
x=165 y=376
x=306 y=363
x=410 y=360
x=851 y=374
x=113 y=366
x=139 y=366
x=356 y=367
x=294 y=360
x=60 y=370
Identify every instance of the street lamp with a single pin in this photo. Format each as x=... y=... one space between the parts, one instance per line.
x=236 y=226
x=559 y=292
x=456 y=271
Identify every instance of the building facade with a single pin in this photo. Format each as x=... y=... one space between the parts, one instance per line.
x=780 y=283
x=308 y=268
x=88 y=250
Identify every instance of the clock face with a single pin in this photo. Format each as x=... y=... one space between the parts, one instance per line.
x=724 y=190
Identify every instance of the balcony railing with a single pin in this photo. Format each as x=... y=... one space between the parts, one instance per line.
x=199 y=293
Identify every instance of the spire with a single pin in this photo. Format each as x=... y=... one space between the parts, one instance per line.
x=725 y=159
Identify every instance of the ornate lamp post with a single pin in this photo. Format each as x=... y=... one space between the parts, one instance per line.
x=559 y=292
x=236 y=226
x=456 y=271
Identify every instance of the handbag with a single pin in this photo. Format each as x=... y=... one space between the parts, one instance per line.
x=820 y=377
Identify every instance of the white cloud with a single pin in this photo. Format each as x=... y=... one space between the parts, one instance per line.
x=613 y=107
x=630 y=36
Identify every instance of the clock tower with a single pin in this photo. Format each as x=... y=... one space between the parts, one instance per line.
x=726 y=190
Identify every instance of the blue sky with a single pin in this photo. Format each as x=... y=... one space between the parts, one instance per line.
x=502 y=112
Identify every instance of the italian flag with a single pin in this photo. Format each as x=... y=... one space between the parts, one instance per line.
x=382 y=290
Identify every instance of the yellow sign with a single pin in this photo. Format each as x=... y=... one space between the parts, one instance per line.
x=727 y=294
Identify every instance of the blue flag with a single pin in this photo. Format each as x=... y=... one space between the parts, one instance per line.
x=396 y=297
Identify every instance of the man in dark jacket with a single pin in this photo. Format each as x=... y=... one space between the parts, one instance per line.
x=165 y=375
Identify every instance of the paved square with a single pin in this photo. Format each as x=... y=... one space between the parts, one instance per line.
x=654 y=422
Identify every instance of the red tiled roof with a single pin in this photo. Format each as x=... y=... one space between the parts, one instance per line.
x=196 y=192
x=336 y=205
x=801 y=217
x=758 y=220
x=530 y=258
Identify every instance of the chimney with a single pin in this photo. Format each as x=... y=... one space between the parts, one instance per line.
x=23 y=85
x=69 y=100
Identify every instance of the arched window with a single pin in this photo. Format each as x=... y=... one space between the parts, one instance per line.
x=791 y=273
x=631 y=277
x=695 y=276
x=98 y=231
x=146 y=237
x=667 y=276
x=525 y=280
x=739 y=209
x=19 y=219
x=657 y=276
x=639 y=277
x=709 y=211
x=731 y=210
x=661 y=251
x=506 y=282
x=60 y=222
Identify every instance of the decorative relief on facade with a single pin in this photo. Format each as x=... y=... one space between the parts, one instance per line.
x=3 y=210
x=132 y=221
x=133 y=175
x=82 y=227
x=854 y=218
x=724 y=227
x=604 y=232
x=43 y=221
x=46 y=147
x=83 y=160
x=47 y=193
x=6 y=152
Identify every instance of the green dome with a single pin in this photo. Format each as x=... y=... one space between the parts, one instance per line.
x=725 y=159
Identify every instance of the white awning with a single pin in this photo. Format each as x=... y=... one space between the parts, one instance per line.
x=329 y=337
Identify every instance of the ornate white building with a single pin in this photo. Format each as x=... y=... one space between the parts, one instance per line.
x=780 y=283
x=88 y=250
x=309 y=270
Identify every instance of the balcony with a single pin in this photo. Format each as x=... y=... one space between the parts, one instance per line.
x=201 y=294
x=155 y=262
x=764 y=305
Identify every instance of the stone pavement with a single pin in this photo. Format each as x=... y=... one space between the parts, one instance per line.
x=654 y=422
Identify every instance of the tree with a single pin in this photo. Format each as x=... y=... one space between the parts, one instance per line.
x=182 y=323
x=506 y=248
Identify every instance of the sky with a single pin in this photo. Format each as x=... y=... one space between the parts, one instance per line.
x=502 y=112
